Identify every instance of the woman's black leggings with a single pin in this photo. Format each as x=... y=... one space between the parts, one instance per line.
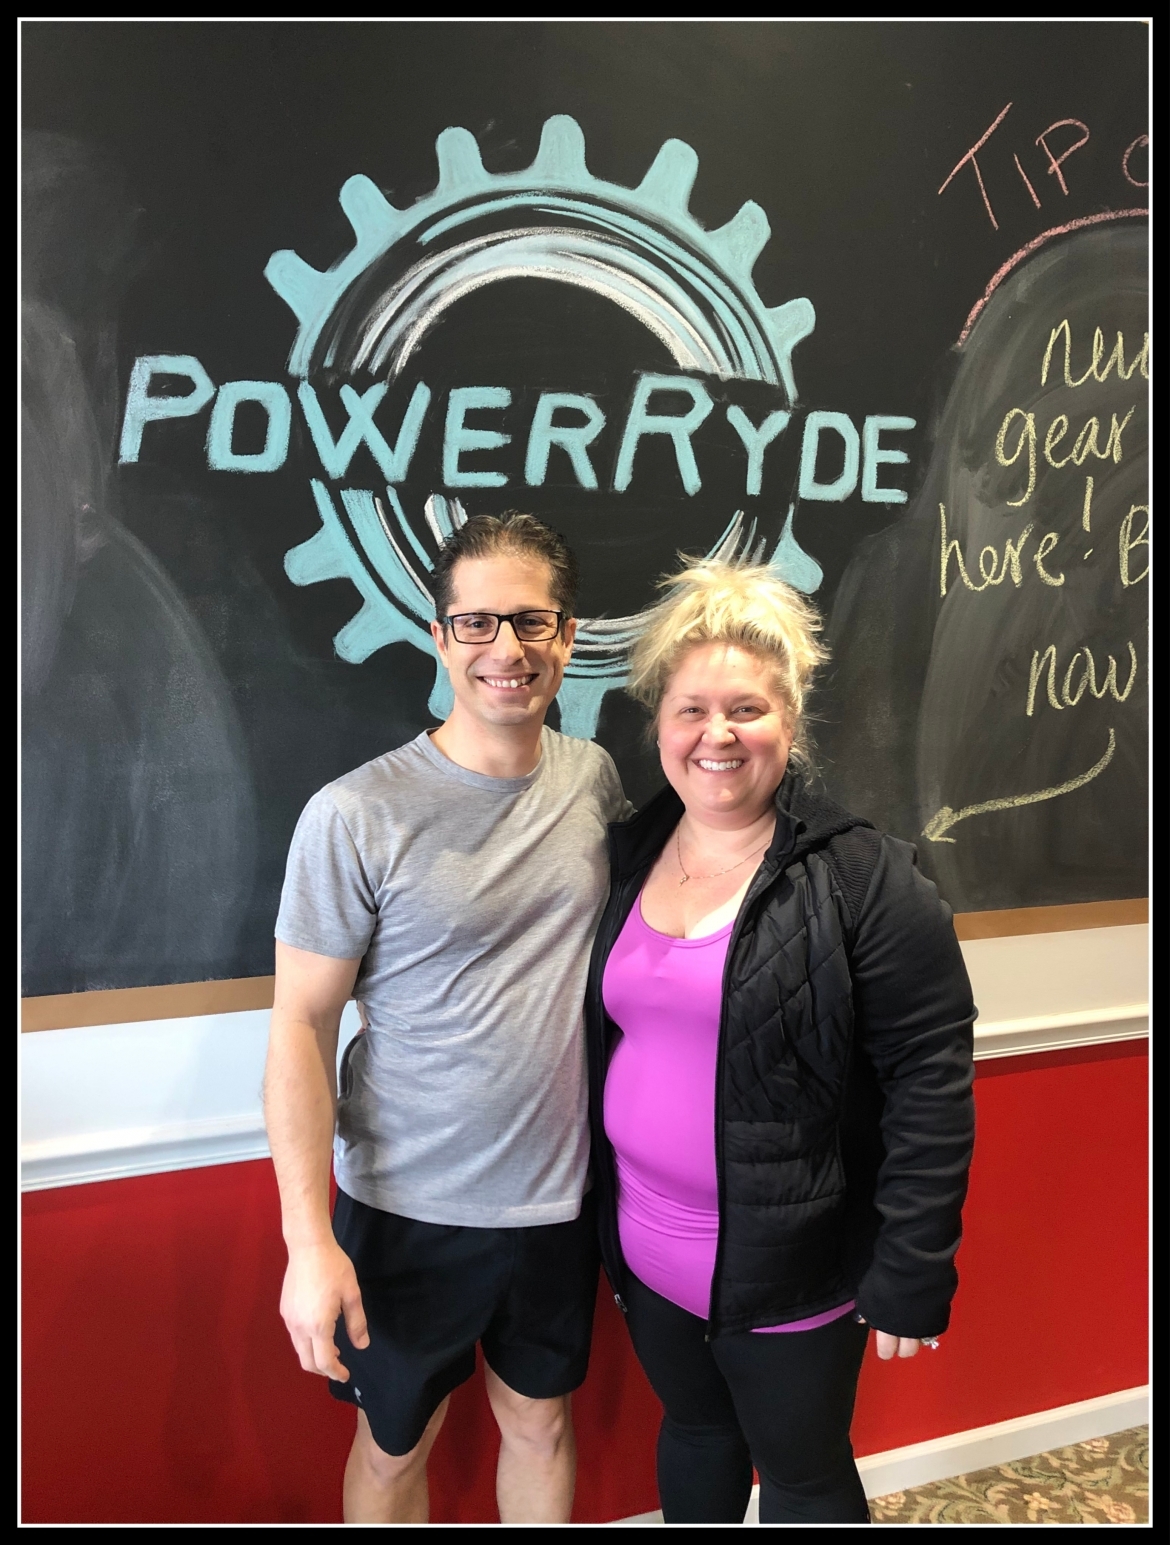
x=784 y=1402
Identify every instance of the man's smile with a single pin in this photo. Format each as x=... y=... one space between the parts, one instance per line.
x=508 y=683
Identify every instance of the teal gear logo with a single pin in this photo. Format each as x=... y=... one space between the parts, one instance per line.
x=639 y=248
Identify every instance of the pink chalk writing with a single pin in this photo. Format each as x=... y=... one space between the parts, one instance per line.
x=1056 y=162
x=1027 y=183
x=1142 y=140
x=1055 y=151
x=970 y=156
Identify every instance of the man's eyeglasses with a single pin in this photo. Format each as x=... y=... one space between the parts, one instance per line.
x=482 y=627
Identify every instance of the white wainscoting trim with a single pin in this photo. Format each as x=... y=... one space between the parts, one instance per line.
x=1058 y=1032
x=959 y=1453
x=152 y=1150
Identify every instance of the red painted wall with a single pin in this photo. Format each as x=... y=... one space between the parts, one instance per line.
x=159 y=1386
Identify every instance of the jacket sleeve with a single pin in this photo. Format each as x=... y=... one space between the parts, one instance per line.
x=914 y=1019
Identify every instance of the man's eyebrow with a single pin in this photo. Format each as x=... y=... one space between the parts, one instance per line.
x=486 y=611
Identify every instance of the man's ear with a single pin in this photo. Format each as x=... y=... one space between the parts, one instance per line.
x=569 y=630
x=439 y=634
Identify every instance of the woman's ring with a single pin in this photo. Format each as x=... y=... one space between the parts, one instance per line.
x=930 y=1341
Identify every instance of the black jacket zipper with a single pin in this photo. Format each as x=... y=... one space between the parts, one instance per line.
x=761 y=880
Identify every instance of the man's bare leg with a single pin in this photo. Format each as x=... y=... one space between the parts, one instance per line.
x=383 y=1488
x=537 y=1470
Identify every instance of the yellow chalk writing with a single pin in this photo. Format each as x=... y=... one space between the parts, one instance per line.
x=1038 y=663
x=1011 y=555
x=1055 y=434
x=1047 y=542
x=992 y=571
x=1044 y=662
x=1027 y=436
x=1087 y=444
x=1127 y=542
x=1099 y=367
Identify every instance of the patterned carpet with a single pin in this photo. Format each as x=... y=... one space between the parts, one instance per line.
x=1103 y=1481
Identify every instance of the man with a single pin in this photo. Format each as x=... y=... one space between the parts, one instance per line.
x=453 y=887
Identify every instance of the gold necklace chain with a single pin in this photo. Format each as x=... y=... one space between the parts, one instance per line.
x=737 y=865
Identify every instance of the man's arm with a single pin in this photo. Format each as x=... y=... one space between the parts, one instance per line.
x=300 y=1102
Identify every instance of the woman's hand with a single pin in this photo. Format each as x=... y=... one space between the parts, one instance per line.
x=896 y=1346
x=899 y=1346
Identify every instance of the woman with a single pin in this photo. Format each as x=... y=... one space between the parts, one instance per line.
x=780 y=1064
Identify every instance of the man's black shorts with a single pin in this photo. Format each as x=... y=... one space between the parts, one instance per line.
x=431 y=1291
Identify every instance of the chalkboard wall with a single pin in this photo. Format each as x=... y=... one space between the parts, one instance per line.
x=864 y=301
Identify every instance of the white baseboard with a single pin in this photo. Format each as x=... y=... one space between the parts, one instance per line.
x=959 y=1453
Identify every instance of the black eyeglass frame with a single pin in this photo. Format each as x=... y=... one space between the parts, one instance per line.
x=509 y=617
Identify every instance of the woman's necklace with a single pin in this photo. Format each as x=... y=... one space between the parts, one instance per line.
x=737 y=865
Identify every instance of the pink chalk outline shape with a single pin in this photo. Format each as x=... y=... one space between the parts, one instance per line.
x=1017 y=257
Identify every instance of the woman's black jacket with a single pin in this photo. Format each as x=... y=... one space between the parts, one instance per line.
x=843 y=1113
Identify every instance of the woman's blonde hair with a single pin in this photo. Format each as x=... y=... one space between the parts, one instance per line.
x=713 y=602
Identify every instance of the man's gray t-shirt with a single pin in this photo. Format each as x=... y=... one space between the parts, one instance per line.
x=472 y=902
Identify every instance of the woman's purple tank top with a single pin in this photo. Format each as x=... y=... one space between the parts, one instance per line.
x=665 y=996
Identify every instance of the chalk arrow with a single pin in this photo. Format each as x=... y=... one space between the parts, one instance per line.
x=946 y=817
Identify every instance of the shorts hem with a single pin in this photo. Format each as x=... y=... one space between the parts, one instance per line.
x=342 y=1393
x=571 y=1383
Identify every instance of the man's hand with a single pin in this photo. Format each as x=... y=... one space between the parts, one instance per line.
x=320 y=1284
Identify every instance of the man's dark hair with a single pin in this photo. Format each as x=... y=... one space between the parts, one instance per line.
x=487 y=536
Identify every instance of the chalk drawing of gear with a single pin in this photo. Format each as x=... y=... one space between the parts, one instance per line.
x=639 y=248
